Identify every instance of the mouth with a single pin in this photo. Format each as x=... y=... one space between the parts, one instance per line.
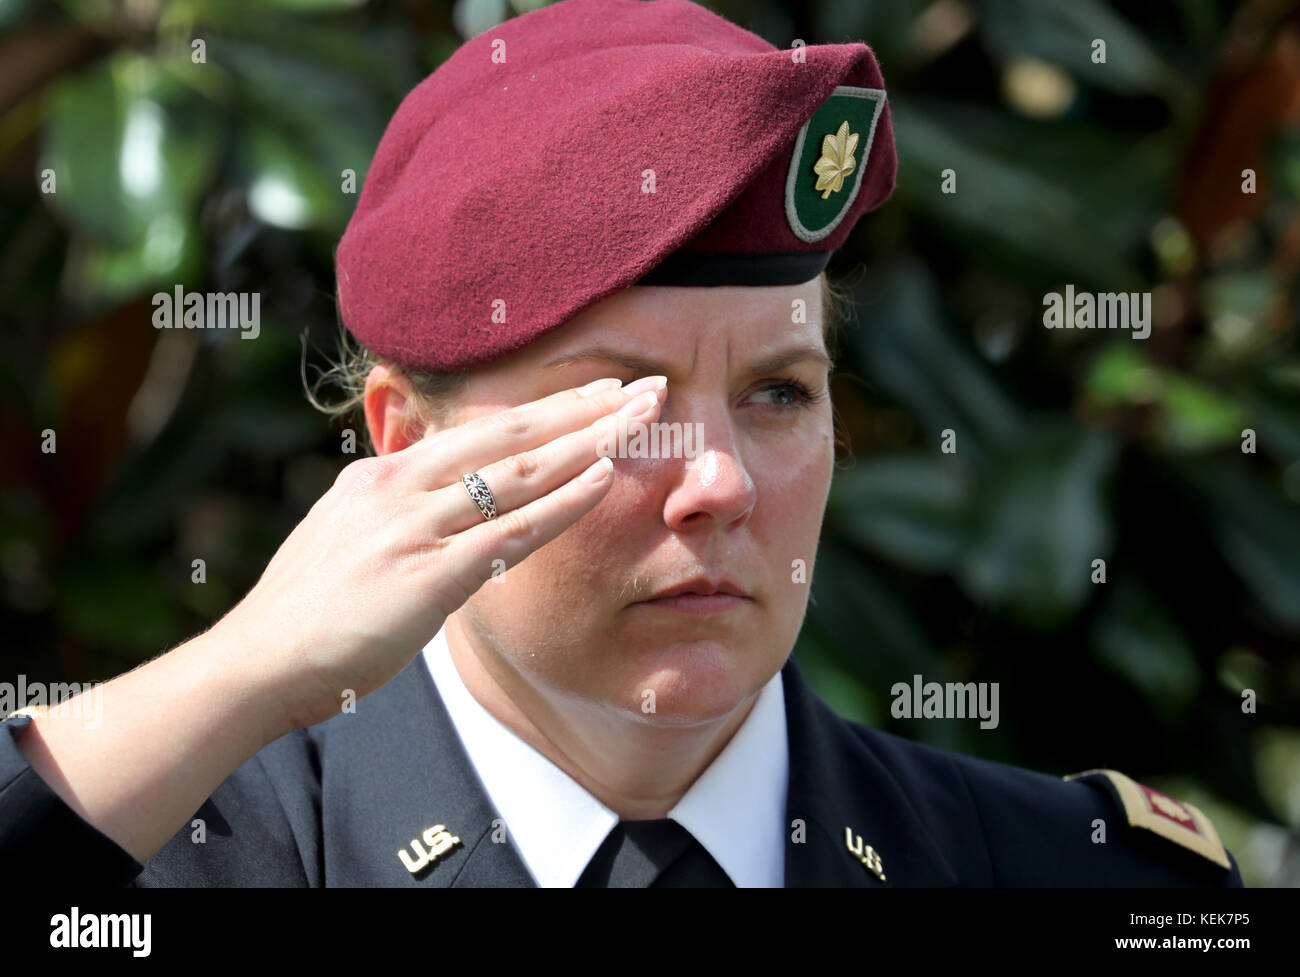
x=699 y=596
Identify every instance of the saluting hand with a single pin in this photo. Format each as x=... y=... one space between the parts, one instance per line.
x=396 y=545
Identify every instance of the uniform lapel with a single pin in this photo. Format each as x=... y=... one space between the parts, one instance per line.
x=391 y=772
x=837 y=783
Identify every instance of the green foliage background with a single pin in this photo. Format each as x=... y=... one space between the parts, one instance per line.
x=1072 y=446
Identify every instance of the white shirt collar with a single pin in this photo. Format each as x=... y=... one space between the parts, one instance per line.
x=750 y=775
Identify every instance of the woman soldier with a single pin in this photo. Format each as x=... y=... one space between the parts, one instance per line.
x=600 y=218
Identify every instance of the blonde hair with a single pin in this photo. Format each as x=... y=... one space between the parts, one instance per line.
x=436 y=393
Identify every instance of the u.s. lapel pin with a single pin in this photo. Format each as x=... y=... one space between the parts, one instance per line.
x=437 y=842
x=864 y=853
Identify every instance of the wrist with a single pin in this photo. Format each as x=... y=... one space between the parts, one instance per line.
x=241 y=674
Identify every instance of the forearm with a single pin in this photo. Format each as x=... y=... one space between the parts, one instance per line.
x=166 y=735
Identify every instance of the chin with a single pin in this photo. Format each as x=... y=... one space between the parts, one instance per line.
x=694 y=681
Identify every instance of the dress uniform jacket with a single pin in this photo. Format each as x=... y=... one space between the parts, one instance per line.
x=332 y=804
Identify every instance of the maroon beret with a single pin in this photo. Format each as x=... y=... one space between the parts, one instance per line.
x=596 y=144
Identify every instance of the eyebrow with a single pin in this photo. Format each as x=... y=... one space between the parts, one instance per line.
x=647 y=366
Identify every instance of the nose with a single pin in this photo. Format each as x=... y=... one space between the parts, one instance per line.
x=712 y=489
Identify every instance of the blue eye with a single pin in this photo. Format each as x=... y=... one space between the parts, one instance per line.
x=791 y=394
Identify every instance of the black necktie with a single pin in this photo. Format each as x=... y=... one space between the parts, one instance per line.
x=652 y=854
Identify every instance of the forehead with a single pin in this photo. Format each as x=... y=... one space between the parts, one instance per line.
x=669 y=321
x=670 y=330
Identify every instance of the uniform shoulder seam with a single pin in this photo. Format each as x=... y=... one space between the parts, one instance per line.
x=979 y=817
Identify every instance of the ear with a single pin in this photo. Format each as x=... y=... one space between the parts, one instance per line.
x=388 y=403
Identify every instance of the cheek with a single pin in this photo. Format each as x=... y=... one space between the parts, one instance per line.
x=557 y=575
x=792 y=478
x=555 y=593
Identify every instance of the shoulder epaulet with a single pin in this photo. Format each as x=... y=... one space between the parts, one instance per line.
x=1173 y=820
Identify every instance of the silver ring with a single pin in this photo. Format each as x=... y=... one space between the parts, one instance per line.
x=480 y=493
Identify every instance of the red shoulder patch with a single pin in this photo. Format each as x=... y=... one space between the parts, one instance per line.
x=1173 y=820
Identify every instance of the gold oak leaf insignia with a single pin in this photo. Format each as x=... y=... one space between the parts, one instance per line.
x=836 y=161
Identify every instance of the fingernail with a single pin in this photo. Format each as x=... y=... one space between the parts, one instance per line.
x=597 y=472
x=596 y=386
x=645 y=383
x=640 y=405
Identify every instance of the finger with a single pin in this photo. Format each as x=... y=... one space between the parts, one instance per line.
x=518 y=479
x=472 y=556
x=441 y=458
